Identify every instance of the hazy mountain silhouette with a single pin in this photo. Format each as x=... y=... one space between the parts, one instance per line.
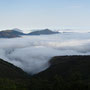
x=43 y=32
x=10 y=33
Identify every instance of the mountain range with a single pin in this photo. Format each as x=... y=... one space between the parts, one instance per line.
x=17 y=33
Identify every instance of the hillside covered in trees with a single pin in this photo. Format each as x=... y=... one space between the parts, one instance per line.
x=65 y=73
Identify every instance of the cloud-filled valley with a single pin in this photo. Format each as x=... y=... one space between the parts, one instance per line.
x=32 y=53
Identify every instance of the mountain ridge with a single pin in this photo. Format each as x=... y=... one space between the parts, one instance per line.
x=66 y=65
x=65 y=73
x=8 y=70
x=17 y=33
x=10 y=34
x=43 y=32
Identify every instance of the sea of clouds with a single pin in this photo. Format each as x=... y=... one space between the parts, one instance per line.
x=32 y=53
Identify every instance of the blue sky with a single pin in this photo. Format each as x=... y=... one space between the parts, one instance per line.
x=37 y=14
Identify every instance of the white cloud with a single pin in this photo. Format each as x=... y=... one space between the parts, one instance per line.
x=33 y=53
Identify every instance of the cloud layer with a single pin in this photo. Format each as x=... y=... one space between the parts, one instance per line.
x=32 y=53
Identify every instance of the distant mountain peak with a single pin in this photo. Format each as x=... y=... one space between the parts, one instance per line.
x=43 y=32
x=11 y=33
x=16 y=29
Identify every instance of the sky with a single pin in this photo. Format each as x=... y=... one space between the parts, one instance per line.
x=39 y=14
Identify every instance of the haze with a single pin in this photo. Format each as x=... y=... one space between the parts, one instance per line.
x=38 y=14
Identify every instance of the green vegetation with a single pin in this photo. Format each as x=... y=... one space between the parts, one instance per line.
x=7 y=84
x=8 y=70
x=12 y=77
x=65 y=73
x=58 y=83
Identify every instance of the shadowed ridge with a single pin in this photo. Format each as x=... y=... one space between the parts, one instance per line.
x=66 y=66
x=8 y=70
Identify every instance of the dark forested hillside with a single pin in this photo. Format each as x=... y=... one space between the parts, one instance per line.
x=65 y=73
x=12 y=77
x=67 y=65
x=8 y=70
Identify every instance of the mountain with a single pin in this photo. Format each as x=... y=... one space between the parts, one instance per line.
x=65 y=73
x=18 y=33
x=8 y=70
x=67 y=65
x=12 y=77
x=43 y=32
x=10 y=33
x=16 y=29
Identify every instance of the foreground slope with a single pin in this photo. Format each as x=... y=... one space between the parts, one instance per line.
x=8 y=70
x=12 y=77
x=67 y=65
x=65 y=73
